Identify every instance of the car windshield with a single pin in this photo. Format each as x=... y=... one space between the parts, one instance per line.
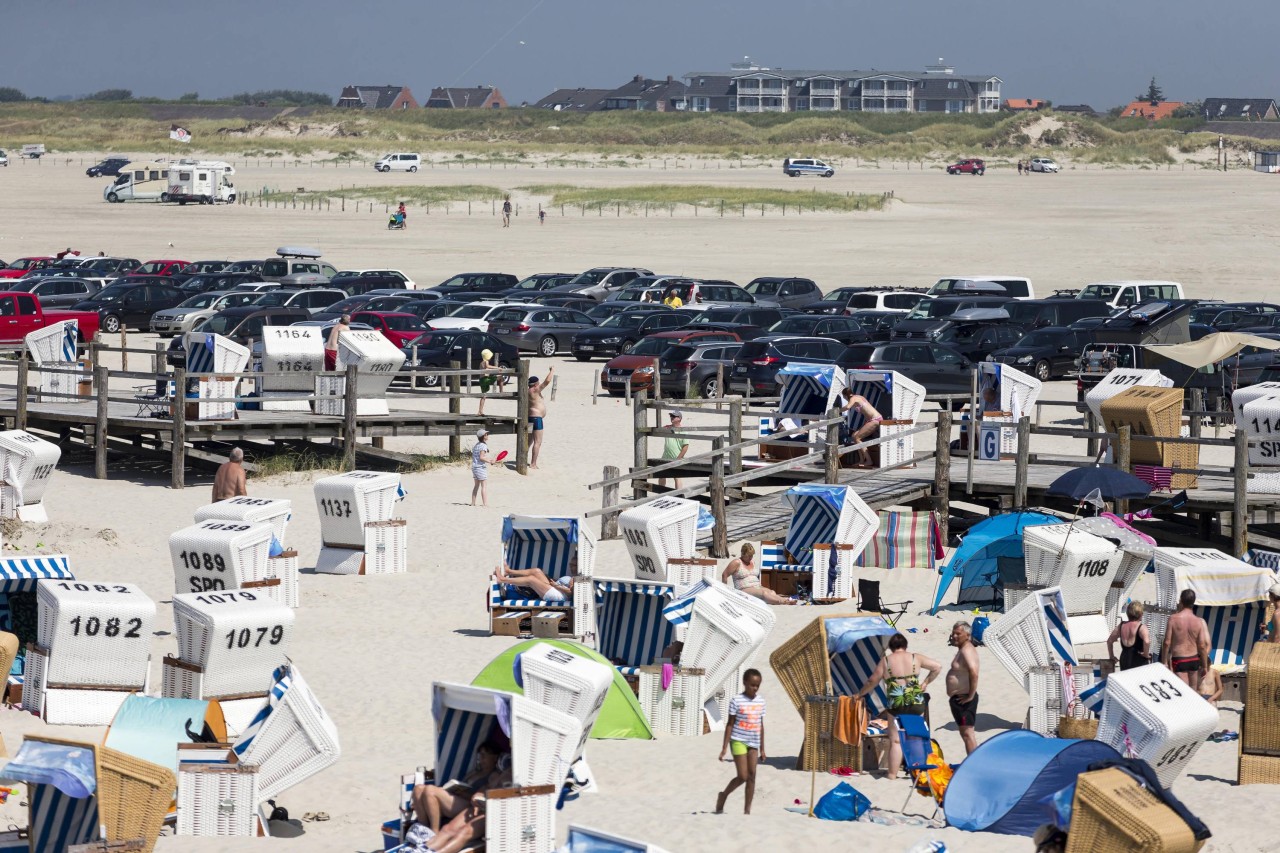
x=151 y=267
x=22 y=286
x=208 y=266
x=203 y=300
x=110 y=294
x=933 y=308
x=399 y=323
x=534 y=282
x=219 y=324
x=589 y=277
x=273 y=298
x=651 y=346
x=795 y=325
x=763 y=288
x=602 y=311
x=1100 y=291
x=351 y=303
x=841 y=293
x=1024 y=313
x=1042 y=339
x=715 y=315
x=627 y=320
x=434 y=340
x=472 y=312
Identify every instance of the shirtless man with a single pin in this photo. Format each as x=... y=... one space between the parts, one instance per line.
x=962 y=684
x=870 y=421
x=1186 y=642
x=537 y=411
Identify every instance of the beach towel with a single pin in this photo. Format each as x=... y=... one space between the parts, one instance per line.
x=933 y=783
x=851 y=720
x=905 y=540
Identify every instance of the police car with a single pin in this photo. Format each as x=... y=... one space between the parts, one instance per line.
x=806 y=166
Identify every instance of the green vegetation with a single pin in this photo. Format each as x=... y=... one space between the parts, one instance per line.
x=667 y=196
x=416 y=195
x=324 y=459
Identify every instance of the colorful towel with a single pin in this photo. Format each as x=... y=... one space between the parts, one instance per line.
x=905 y=540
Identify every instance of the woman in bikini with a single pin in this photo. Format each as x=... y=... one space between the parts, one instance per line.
x=745 y=577
x=433 y=804
x=900 y=670
x=1135 y=640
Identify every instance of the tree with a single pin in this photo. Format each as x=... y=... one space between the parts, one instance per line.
x=190 y=97
x=1154 y=93
x=9 y=94
x=111 y=95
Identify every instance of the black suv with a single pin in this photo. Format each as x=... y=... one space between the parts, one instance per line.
x=697 y=366
x=755 y=368
x=975 y=341
x=1037 y=313
x=846 y=330
x=1046 y=353
x=941 y=370
x=930 y=318
x=476 y=282
x=242 y=325
x=361 y=283
x=121 y=305
x=109 y=167
x=619 y=333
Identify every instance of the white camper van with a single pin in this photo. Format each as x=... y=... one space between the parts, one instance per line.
x=1122 y=294
x=202 y=181
x=139 y=182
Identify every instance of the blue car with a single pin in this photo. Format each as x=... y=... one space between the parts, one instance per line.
x=806 y=166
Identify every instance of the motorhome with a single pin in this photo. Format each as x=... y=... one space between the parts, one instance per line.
x=202 y=181
x=139 y=182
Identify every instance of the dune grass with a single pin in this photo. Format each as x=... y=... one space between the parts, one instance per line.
x=420 y=196
x=667 y=196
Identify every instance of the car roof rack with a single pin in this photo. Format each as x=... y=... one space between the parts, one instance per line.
x=1067 y=291
x=298 y=252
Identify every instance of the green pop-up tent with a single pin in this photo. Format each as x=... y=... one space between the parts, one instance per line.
x=620 y=718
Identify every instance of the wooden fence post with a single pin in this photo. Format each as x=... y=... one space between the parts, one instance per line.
x=831 y=456
x=20 y=399
x=609 y=521
x=942 y=472
x=1091 y=424
x=720 y=534
x=735 y=434
x=157 y=360
x=1023 y=457
x=1240 y=501
x=100 y=433
x=455 y=408
x=522 y=416
x=1123 y=451
x=178 y=439
x=1196 y=421
x=349 y=419
x=640 y=453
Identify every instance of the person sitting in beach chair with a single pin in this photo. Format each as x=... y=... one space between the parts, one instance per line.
x=534 y=583
x=434 y=804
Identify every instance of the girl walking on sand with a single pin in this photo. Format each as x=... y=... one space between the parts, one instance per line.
x=744 y=738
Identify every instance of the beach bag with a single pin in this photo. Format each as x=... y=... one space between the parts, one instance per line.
x=933 y=783
x=843 y=802
x=980 y=626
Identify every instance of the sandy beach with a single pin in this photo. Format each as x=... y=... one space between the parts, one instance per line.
x=371 y=646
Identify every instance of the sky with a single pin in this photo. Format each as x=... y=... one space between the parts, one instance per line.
x=1099 y=52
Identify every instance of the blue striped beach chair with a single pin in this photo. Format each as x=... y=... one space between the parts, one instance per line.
x=819 y=514
x=55 y=347
x=898 y=400
x=552 y=544
x=209 y=356
x=628 y=624
x=809 y=391
x=21 y=574
x=1034 y=633
x=291 y=738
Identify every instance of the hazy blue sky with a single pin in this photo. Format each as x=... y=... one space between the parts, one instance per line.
x=1100 y=52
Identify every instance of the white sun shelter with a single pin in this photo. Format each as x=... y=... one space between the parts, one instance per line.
x=566 y=682
x=219 y=359
x=376 y=360
x=1122 y=379
x=898 y=400
x=358 y=530
x=53 y=349
x=1083 y=565
x=93 y=649
x=292 y=356
x=219 y=555
x=26 y=465
x=657 y=532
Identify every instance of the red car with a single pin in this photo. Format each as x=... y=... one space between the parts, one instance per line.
x=639 y=363
x=23 y=314
x=971 y=166
x=22 y=266
x=396 y=326
x=161 y=267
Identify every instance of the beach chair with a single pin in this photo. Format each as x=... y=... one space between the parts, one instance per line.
x=584 y=840
x=1017 y=393
x=521 y=818
x=377 y=361
x=1082 y=565
x=53 y=349
x=273 y=511
x=93 y=649
x=26 y=465
x=820 y=514
x=1136 y=553
x=1259 y=759
x=214 y=356
x=215 y=555
x=1260 y=419
x=291 y=738
x=1033 y=634
x=229 y=644
x=869 y=601
x=1119 y=380
x=1148 y=712
x=1155 y=412
x=77 y=790
x=565 y=682
x=903 y=540
x=358 y=531
x=832 y=656
x=624 y=621
x=809 y=392
x=1231 y=596
x=899 y=400
x=657 y=532
x=917 y=749
x=291 y=358
x=1050 y=701
x=220 y=797
x=20 y=575
x=1112 y=810
x=561 y=547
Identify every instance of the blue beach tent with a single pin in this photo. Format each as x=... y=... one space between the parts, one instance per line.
x=975 y=561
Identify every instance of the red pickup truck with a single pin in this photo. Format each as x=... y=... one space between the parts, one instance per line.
x=21 y=314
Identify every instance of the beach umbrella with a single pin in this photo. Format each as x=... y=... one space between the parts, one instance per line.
x=1112 y=483
x=620 y=718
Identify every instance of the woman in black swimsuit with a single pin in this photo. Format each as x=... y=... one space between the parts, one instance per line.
x=1135 y=640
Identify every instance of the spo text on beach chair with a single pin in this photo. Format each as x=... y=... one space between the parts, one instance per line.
x=282 y=562
x=216 y=554
x=561 y=548
x=359 y=532
x=657 y=532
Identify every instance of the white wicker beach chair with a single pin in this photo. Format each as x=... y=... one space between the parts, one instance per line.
x=53 y=349
x=273 y=511
x=376 y=360
x=220 y=799
x=1082 y=565
x=219 y=555
x=291 y=738
x=1122 y=379
x=820 y=514
x=678 y=709
x=295 y=354
x=216 y=356
x=1241 y=397
x=561 y=547
x=1017 y=393
x=1260 y=419
x=658 y=531
x=26 y=465
x=566 y=682
x=809 y=391
x=724 y=631
x=358 y=532
x=623 y=620
x=1034 y=633
x=1049 y=702
x=834 y=580
x=1136 y=554
x=684 y=571
x=897 y=399
x=1231 y=596
x=1150 y=713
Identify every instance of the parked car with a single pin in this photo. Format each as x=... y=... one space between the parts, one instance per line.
x=537 y=283
x=395 y=278
x=941 y=370
x=244 y=266
x=199 y=267
x=59 y=292
x=697 y=366
x=398 y=162
x=1043 y=164
x=350 y=305
x=784 y=291
x=744 y=331
x=1125 y=294
x=723 y=294
x=399 y=328
x=968 y=166
x=473 y=315
x=637 y=366
x=126 y=304
x=383 y=302
x=429 y=310
x=110 y=167
x=313 y=300
x=215 y=281
x=930 y=319
x=573 y=303
x=794 y=168
x=295 y=259
x=756 y=366
x=976 y=340
x=103 y=269
x=22 y=266
x=23 y=314
x=621 y=332
x=194 y=310
x=1045 y=353
x=598 y=282
x=437 y=347
x=1017 y=287
x=760 y=316
x=480 y=282
x=878 y=325
x=846 y=300
x=258 y=286
x=1057 y=311
x=243 y=325
x=545 y=330
x=846 y=330
x=1230 y=316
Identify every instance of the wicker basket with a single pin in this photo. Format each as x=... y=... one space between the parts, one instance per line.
x=1111 y=813
x=1260 y=728
x=8 y=651
x=801 y=663
x=822 y=751
x=133 y=796
x=1258 y=769
x=1071 y=728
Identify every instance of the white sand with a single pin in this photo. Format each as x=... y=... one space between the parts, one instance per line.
x=371 y=646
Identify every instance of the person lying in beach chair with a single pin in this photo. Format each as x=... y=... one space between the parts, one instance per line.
x=435 y=804
x=533 y=583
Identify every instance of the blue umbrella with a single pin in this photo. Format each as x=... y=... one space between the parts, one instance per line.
x=1111 y=483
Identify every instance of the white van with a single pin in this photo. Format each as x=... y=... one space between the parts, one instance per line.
x=982 y=285
x=1122 y=294
x=399 y=163
x=139 y=182
x=201 y=181
x=291 y=260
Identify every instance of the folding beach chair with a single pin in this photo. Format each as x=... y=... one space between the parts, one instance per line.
x=917 y=749
x=869 y=595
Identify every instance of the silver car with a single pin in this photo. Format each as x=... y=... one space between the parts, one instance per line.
x=184 y=317
x=314 y=300
x=544 y=329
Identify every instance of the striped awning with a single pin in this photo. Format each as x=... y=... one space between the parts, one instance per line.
x=859 y=644
x=815 y=518
x=1055 y=622
x=630 y=627
x=1232 y=631
x=679 y=611
x=19 y=574
x=280 y=684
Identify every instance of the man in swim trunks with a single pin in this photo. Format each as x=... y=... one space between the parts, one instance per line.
x=1186 y=642
x=870 y=421
x=962 y=684
x=537 y=411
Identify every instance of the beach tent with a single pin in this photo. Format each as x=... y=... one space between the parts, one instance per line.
x=1002 y=785
x=620 y=718
x=975 y=561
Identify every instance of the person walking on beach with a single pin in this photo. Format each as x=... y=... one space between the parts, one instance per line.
x=1186 y=642
x=402 y=216
x=480 y=467
x=962 y=684
x=331 y=345
x=230 y=482
x=542 y=216
x=506 y=212
x=744 y=738
x=1019 y=168
x=1135 y=639
x=537 y=413
x=674 y=447
x=901 y=670
x=870 y=422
